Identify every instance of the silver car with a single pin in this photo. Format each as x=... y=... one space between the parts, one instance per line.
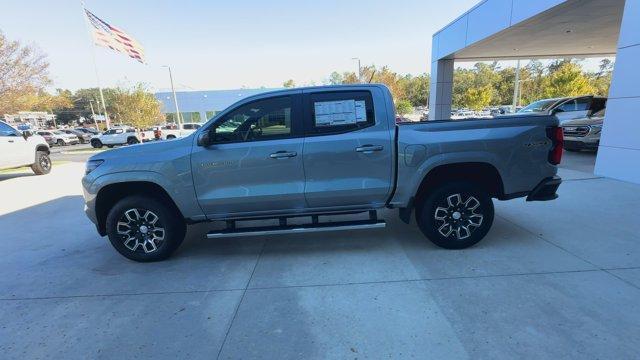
x=583 y=134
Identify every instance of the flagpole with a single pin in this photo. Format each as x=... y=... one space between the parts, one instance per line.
x=95 y=66
x=175 y=98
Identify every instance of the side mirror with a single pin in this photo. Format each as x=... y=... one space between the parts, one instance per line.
x=204 y=138
x=556 y=111
x=26 y=134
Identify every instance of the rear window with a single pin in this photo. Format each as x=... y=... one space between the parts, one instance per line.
x=336 y=112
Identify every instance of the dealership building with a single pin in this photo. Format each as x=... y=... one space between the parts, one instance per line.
x=199 y=106
x=546 y=29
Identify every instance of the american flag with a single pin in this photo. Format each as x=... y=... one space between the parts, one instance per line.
x=113 y=38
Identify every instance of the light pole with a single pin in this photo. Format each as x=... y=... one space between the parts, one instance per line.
x=516 y=87
x=359 y=69
x=175 y=98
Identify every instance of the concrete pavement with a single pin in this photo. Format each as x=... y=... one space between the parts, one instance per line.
x=551 y=280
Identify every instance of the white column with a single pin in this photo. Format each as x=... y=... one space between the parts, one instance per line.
x=440 y=98
x=619 y=151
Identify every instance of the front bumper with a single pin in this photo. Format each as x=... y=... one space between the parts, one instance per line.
x=545 y=190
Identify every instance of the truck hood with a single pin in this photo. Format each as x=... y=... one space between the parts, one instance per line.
x=144 y=152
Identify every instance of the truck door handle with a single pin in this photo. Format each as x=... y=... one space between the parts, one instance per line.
x=283 y=154
x=368 y=149
x=10 y=141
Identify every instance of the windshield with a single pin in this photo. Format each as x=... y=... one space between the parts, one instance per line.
x=539 y=106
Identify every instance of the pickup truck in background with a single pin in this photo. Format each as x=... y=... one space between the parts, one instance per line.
x=173 y=131
x=320 y=151
x=116 y=136
x=18 y=149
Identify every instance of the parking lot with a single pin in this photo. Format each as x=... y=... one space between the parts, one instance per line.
x=558 y=279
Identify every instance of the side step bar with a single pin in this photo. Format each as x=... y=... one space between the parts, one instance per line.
x=297 y=229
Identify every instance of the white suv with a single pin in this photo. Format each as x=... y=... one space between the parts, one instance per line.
x=23 y=149
x=116 y=136
x=60 y=138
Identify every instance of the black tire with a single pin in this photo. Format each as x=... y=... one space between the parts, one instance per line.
x=465 y=227
x=167 y=219
x=110 y=146
x=60 y=142
x=171 y=137
x=42 y=166
x=132 y=141
x=96 y=144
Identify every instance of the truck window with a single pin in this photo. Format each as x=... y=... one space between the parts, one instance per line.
x=338 y=112
x=6 y=130
x=259 y=120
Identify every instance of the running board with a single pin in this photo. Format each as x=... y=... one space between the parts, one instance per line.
x=297 y=229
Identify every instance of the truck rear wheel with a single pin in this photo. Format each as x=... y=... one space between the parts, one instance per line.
x=144 y=229
x=456 y=215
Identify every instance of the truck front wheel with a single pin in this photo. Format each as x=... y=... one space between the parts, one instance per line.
x=144 y=229
x=456 y=215
x=42 y=165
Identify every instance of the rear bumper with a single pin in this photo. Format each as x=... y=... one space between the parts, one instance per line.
x=546 y=190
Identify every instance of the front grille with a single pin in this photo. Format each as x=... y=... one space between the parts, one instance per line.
x=575 y=131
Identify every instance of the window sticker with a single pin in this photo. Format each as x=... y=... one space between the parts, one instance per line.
x=361 y=111
x=341 y=112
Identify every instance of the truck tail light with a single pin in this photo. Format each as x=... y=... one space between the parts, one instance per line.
x=157 y=133
x=557 y=140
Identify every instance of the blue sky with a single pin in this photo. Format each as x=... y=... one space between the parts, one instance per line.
x=231 y=44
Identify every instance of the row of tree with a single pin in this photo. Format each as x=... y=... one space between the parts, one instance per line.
x=24 y=78
x=488 y=84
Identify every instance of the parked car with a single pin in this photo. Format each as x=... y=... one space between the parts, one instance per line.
x=18 y=149
x=583 y=134
x=116 y=136
x=171 y=131
x=567 y=108
x=83 y=137
x=59 y=137
x=319 y=151
x=89 y=131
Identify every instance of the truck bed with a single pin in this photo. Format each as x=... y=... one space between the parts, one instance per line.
x=516 y=146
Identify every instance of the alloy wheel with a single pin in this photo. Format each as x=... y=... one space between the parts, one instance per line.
x=457 y=217
x=45 y=162
x=141 y=230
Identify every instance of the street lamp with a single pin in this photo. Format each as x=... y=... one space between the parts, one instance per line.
x=175 y=98
x=359 y=69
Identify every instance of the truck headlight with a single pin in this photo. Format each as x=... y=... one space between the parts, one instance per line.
x=92 y=165
x=596 y=129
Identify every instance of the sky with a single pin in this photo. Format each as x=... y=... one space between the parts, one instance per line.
x=231 y=44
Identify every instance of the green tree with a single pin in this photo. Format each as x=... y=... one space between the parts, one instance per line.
x=567 y=79
x=478 y=98
x=403 y=107
x=23 y=76
x=289 y=84
x=136 y=106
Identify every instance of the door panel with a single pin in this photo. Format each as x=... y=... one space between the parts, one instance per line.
x=347 y=165
x=7 y=152
x=256 y=166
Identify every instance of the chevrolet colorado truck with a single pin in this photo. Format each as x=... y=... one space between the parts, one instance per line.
x=311 y=152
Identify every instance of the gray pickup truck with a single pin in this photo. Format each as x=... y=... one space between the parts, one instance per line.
x=311 y=152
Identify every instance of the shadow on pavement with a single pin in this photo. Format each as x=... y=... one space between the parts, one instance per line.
x=16 y=175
